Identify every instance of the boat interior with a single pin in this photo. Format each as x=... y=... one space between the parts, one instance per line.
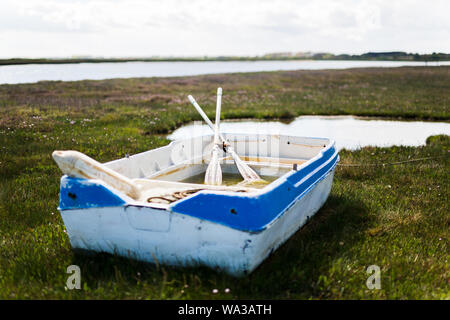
x=173 y=172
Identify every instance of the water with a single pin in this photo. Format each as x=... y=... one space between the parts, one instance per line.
x=231 y=179
x=31 y=73
x=349 y=132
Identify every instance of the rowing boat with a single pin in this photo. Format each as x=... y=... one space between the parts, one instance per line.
x=150 y=206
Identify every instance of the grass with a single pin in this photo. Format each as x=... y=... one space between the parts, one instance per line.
x=394 y=216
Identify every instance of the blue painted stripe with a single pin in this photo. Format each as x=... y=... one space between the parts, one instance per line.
x=255 y=213
x=242 y=212
x=298 y=175
x=78 y=193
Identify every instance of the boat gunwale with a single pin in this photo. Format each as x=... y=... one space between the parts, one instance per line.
x=254 y=194
x=274 y=184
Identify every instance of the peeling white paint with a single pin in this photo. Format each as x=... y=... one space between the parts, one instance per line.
x=149 y=231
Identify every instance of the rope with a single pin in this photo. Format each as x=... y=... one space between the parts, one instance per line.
x=388 y=163
x=178 y=195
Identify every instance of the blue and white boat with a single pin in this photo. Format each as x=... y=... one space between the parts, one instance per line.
x=146 y=207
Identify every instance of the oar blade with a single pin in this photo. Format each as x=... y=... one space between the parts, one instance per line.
x=247 y=173
x=213 y=175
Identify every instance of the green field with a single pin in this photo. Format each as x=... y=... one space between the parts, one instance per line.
x=395 y=216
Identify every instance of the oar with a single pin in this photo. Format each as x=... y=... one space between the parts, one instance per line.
x=214 y=172
x=247 y=173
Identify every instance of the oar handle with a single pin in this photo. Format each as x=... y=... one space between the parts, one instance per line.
x=218 y=107
x=204 y=116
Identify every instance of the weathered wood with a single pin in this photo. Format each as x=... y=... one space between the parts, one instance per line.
x=78 y=165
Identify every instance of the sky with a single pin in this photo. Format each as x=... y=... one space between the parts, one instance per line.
x=144 y=28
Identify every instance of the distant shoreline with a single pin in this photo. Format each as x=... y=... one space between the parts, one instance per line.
x=371 y=56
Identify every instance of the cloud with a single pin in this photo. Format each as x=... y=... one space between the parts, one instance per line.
x=205 y=27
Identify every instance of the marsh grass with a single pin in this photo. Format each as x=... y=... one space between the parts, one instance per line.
x=394 y=216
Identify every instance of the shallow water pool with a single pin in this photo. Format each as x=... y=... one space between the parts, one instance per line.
x=349 y=132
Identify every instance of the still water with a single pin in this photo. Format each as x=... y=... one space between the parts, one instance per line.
x=231 y=179
x=349 y=132
x=31 y=73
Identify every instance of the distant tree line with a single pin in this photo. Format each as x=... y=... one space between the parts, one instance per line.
x=390 y=56
x=393 y=55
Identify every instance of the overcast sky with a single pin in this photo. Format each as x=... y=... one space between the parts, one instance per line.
x=64 y=28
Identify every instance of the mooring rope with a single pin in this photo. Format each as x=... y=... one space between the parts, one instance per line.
x=389 y=163
x=178 y=195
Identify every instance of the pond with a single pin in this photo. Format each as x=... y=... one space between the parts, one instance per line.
x=349 y=132
x=31 y=73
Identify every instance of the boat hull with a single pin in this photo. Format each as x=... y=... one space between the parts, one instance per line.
x=229 y=229
x=161 y=236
